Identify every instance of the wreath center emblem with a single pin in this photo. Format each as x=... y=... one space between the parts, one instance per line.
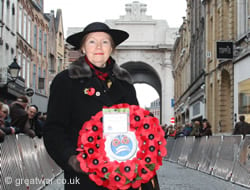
x=121 y=147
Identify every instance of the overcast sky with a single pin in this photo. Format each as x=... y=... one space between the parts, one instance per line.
x=79 y=13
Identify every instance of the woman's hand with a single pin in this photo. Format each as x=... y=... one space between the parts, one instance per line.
x=75 y=164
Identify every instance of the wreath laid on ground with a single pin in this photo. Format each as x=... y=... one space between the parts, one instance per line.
x=133 y=172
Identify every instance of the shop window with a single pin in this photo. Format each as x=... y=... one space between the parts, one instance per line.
x=244 y=97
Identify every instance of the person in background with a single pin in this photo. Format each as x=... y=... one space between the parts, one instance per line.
x=42 y=118
x=2 y=133
x=241 y=127
x=93 y=81
x=196 y=129
x=19 y=116
x=6 y=126
x=206 y=129
x=34 y=122
x=187 y=129
x=179 y=131
x=171 y=131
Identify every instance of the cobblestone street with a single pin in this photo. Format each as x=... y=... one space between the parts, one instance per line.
x=175 y=177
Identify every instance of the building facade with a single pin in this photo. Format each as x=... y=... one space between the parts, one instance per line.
x=181 y=71
x=208 y=87
x=32 y=49
x=8 y=40
x=36 y=40
x=155 y=108
x=221 y=26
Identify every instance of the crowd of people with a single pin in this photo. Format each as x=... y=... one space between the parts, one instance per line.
x=196 y=128
x=203 y=128
x=20 y=117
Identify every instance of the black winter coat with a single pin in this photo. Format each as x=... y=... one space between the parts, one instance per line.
x=69 y=107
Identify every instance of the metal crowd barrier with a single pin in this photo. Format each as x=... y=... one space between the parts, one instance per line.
x=186 y=150
x=209 y=153
x=241 y=171
x=170 y=145
x=25 y=164
x=176 y=150
x=196 y=152
x=226 y=157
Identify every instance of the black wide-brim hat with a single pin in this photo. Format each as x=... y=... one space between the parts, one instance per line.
x=118 y=36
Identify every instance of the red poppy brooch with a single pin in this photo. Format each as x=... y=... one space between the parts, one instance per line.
x=89 y=91
x=116 y=174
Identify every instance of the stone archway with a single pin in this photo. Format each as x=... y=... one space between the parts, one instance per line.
x=144 y=73
x=226 y=103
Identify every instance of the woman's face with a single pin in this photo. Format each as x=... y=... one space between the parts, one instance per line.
x=4 y=112
x=97 y=47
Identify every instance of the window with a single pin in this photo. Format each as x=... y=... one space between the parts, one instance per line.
x=13 y=18
x=13 y=9
x=20 y=20
x=1 y=11
x=59 y=66
x=19 y=61
x=8 y=11
x=60 y=39
x=34 y=76
x=24 y=67
x=244 y=97
x=45 y=44
x=25 y=25
x=243 y=17
x=35 y=37
x=28 y=73
x=29 y=30
x=40 y=41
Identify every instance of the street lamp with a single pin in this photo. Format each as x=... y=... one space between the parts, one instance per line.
x=14 y=70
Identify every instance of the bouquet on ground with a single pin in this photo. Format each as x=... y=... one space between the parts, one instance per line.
x=121 y=160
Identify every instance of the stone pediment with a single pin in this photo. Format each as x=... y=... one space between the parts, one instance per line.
x=135 y=11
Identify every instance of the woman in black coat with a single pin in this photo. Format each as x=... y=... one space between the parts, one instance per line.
x=76 y=94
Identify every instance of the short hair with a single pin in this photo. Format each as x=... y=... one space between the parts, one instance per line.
x=34 y=106
x=23 y=99
x=7 y=108
x=242 y=118
x=204 y=120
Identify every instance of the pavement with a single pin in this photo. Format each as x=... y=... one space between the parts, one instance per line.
x=176 y=177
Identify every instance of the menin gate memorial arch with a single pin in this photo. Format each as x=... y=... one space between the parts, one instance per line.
x=146 y=53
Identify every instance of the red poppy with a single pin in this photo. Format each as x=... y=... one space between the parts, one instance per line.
x=91 y=151
x=149 y=159
x=144 y=173
x=162 y=150
x=104 y=169
x=92 y=125
x=117 y=179
x=128 y=169
x=89 y=91
x=88 y=138
x=137 y=183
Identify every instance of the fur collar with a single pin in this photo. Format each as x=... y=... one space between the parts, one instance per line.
x=80 y=69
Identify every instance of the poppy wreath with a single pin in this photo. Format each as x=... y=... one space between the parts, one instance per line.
x=130 y=173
